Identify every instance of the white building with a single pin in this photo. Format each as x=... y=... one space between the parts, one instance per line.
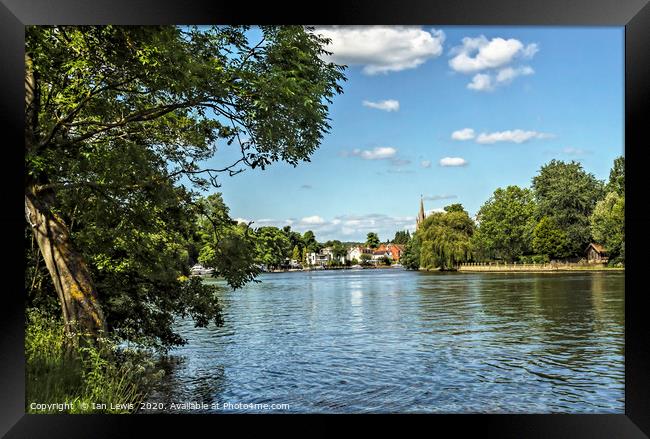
x=323 y=257
x=356 y=252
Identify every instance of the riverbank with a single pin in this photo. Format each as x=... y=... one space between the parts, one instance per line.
x=535 y=268
x=370 y=267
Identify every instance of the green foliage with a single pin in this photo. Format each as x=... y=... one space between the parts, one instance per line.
x=410 y=257
x=372 y=240
x=310 y=243
x=122 y=113
x=226 y=246
x=446 y=239
x=338 y=249
x=59 y=373
x=295 y=255
x=385 y=260
x=272 y=246
x=365 y=259
x=608 y=226
x=549 y=239
x=401 y=237
x=568 y=195
x=456 y=207
x=506 y=222
x=617 y=177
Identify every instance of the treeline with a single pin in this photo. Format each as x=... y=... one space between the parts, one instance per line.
x=563 y=211
x=237 y=250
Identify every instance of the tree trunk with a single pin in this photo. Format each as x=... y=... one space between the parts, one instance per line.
x=82 y=313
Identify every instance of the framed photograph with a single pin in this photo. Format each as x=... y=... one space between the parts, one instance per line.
x=382 y=209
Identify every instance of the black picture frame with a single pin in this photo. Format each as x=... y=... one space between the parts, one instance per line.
x=633 y=14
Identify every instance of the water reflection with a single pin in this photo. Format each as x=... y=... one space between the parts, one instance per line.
x=397 y=341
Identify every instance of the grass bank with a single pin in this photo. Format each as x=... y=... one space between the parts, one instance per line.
x=98 y=379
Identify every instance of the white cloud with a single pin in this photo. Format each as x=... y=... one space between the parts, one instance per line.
x=464 y=134
x=425 y=163
x=349 y=227
x=508 y=74
x=387 y=105
x=378 y=153
x=481 y=82
x=453 y=161
x=515 y=136
x=478 y=54
x=382 y=49
x=492 y=58
x=315 y=219
x=488 y=82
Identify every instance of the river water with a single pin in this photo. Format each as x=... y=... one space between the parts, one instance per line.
x=354 y=341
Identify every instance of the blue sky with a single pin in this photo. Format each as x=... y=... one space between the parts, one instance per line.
x=518 y=96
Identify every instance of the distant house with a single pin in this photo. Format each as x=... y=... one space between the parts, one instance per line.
x=596 y=253
x=356 y=252
x=391 y=251
x=380 y=254
x=323 y=257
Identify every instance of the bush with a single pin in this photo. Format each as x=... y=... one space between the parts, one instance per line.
x=58 y=372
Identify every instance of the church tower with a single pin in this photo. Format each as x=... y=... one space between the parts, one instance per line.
x=420 y=217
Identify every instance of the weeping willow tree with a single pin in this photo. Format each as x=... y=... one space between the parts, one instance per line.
x=445 y=238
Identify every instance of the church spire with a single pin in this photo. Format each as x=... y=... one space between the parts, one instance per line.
x=420 y=216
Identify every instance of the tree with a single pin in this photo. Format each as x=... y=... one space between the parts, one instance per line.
x=295 y=255
x=446 y=238
x=410 y=257
x=309 y=240
x=304 y=256
x=549 y=239
x=456 y=207
x=506 y=221
x=365 y=259
x=115 y=116
x=568 y=195
x=608 y=225
x=617 y=177
x=294 y=237
x=372 y=240
x=272 y=246
x=401 y=237
x=226 y=246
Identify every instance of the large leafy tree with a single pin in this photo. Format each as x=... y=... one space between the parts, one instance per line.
x=608 y=225
x=410 y=257
x=401 y=237
x=116 y=116
x=372 y=240
x=550 y=240
x=505 y=223
x=309 y=241
x=445 y=238
x=273 y=246
x=567 y=194
x=617 y=176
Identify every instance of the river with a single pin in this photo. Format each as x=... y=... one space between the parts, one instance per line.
x=355 y=341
